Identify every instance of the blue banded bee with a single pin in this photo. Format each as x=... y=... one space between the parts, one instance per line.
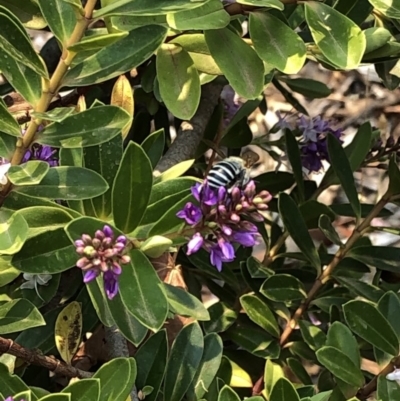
x=232 y=171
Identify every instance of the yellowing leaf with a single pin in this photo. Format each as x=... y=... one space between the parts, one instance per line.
x=68 y=331
x=239 y=378
x=122 y=96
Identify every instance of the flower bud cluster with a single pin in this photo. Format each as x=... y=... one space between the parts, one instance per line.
x=222 y=219
x=102 y=254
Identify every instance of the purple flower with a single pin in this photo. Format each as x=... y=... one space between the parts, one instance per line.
x=195 y=243
x=217 y=256
x=11 y=399
x=247 y=239
x=102 y=255
x=41 y=152
x=190 y=213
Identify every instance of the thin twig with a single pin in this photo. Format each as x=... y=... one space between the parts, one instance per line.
x=36 y=358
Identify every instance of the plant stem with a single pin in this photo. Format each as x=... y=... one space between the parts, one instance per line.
x=49 y=90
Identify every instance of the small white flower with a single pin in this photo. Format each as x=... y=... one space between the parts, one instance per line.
x=33 y=280
x=394 y=376
x=3 y=171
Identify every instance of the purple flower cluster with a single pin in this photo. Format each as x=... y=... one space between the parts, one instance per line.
x=102 y=254
x=313 y=142
x=11 y=399
x=221 y=220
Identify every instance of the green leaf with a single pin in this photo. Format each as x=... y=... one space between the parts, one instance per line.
x=276 y=43
x=116 y=379
x=48 y=253
x=389 y=306
x=210 y=15
x=178 y=80
x=238 y=135
x=11 y=384
x=7 y=272
x=360 y=288
x=368 y=323
x=152 y=361
x=340 y=40
x=342 y=168
x=175 y=171
x=127 y=324
x=30 y=173
x=184 y=360
x=209 y=365
x=84 y=390
x=329 y=231
x=283 y=390
x=55 y=115
x=7 y=144
x=68 y=183
x=98 y=296
x=60 y=17
x=97 y=41
x=283 y=287
x=296 y=226
x=56 y=397
x=15 y=42
x=221 y=318
x=19 y=315
x=13 y=232
x=103 y=159
x=274 y=182
x=227 y=394
x=142 y=292
x=313 y=336
x=387 y=390
x=272 y=373
x=382 y=257
x=27 y=11
x=394 y=176
x=237 y=60
x=340 y=365
x=259 y=312
x=143 y=7
x=132 y=188
x=298 y=369
x=308 y=87
x=293 y=153
x=264 y=3
x=118 y=58
x=341 y=338
x=153 y=145
x=87 y=128
x=185 y=304
x=389 y=8
x=7 y=122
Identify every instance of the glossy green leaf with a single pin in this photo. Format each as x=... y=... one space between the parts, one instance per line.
x=329 y=231
x=7 y=144
x=312 y=335
x=237 y=60
x=368 y=323
x=298 y=369
x=342 y=168
x=142 y=292
x=394 y=176
x=27 y=11
x=297 y=228
x=15 y=42
x=30 y=173
x=104 y=160
x=382 y=257
x=340 y=40
x=340 y=365
x=153 y=145
x=308 y=87
x=152 y=361
x=19 y=315
x=227 y=394
x=341 y=338
x=389 y=8
x=276 y=43
x=283 y=287
x=184 y=360
x=55 y=115
x=7 y=122
x=48 y=253
x=84 y=390
x=87 y=128
x=283 y=390
x=264 y=3
x=56 y=397
x=175 y=171
x=8 y=273
x=178 y=80
x=118 y=58
x=11 y=384
x=274 y=182
x=116 y=379
x=259 y=312
x=221 y=318
x=97 y=42
x=132 y=188
x=389 y=306
x=210 y=15
x=68 y=183
x=183 y=303
x=209 y=365
x=387 y=390
x=360 y=288
x=60 y=17
x=272 y=373
x=13 y=232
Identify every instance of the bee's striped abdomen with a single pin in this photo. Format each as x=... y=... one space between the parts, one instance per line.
x=225 y=174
